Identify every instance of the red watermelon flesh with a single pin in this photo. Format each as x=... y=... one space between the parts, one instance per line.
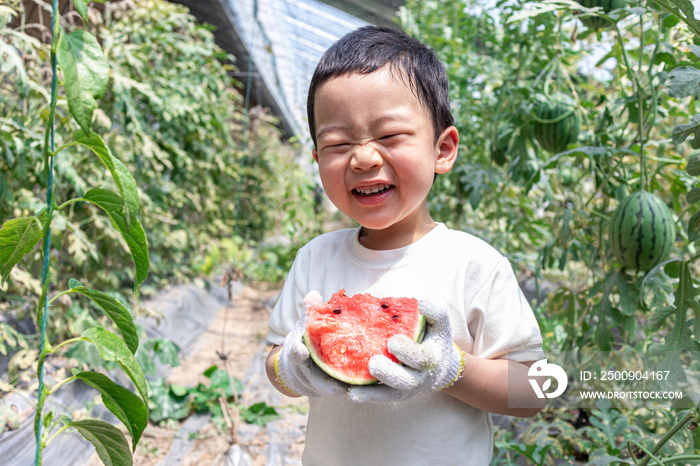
x=345 y=332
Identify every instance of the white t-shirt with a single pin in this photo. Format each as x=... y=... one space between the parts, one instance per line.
x=490 y=318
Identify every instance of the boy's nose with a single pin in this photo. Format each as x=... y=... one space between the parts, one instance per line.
x=365 y=157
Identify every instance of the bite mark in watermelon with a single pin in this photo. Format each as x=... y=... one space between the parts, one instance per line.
x=343 y=333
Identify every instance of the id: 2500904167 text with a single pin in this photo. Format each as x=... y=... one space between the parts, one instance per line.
x=623 y=375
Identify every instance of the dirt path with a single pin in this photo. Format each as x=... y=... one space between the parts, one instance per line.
x=238 y=331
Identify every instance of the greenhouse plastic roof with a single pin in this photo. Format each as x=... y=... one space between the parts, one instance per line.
x=285 y=39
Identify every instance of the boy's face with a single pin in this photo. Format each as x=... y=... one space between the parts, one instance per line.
x=377 y=154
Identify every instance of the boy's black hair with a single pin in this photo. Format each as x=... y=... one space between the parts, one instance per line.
x=370 y=48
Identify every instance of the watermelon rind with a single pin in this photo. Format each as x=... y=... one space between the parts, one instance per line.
x=642 y=231
x=347 y=378
x=598 y=22
x=556 y=122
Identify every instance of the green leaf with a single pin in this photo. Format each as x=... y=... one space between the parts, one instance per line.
x=684 y=81
x=259 y=414
x=85 y=74
x=165 y=350
x=166 y=404
x=116 y=311
x=683 y=9
x=113 y=348
x=694 y=227
x=629 y=295
x=693 y=166
x=693 y=196
x=122 y=177
x=110 y=444
x=179 y=390
x=681 y=132
x=17 y=238
x=221 y=381
x=128 y=408
x=680 y=339
x=13 y=63
x=658 y=317
x=81 y=8
x=605 y=311
x=133 y=234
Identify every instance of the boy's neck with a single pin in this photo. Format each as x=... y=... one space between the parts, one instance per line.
x=393 y=237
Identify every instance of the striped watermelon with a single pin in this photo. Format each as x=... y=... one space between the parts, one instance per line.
x=596 y=22
x=556 y=122
x=642 y=231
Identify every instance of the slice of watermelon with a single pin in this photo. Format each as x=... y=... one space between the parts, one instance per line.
x=345 y=332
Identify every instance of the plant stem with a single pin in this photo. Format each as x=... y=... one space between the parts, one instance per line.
x=640 y=97
x=60 y=384
x=62 y=293
x=673 y=431
x=64 y=146
x=54 y=435
x=595 y=213
x=64 y=343
x=67 y=203
x=43 y=301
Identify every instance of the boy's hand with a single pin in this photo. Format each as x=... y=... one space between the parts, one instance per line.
x=294 y=368
x=434 y=364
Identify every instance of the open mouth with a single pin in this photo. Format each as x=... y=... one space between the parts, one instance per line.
x=373 y=190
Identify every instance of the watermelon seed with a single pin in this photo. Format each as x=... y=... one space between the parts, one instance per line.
x=336 y=311
x=384 y=306
x=394 y=316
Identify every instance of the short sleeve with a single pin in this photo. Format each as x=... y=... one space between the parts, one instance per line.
x=501 y=321
x=289 y=306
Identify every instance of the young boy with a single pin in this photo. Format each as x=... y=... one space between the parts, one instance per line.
x=382 y=129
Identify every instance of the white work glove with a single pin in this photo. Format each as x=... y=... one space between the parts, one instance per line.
x=295 y=370
x=432 y=365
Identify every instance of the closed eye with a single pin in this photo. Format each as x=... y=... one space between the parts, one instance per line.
x=339 y=145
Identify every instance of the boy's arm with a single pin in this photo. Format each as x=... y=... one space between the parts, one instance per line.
x=487 y=384
x=272 y=375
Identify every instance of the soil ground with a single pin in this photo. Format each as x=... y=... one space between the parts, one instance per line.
x=237 y=331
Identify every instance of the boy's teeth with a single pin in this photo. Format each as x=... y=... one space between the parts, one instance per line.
x=373 y=189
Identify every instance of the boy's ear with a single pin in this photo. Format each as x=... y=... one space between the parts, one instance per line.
x=447 y=145
x=314 y=153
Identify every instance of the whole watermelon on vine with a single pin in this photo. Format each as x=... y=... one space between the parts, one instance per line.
x=556 y=122
x=597 y=22
x=642 y=231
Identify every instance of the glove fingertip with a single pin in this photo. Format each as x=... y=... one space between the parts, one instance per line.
x=377 y=363
x=312 y=298
x=398 y=343
x=298 y=352
x=432 y=312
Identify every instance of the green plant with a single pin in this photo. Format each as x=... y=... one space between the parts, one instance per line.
x=551 y=213
x=174 y=115
x=11 y=339
x=85 y=76
x=171 y=401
